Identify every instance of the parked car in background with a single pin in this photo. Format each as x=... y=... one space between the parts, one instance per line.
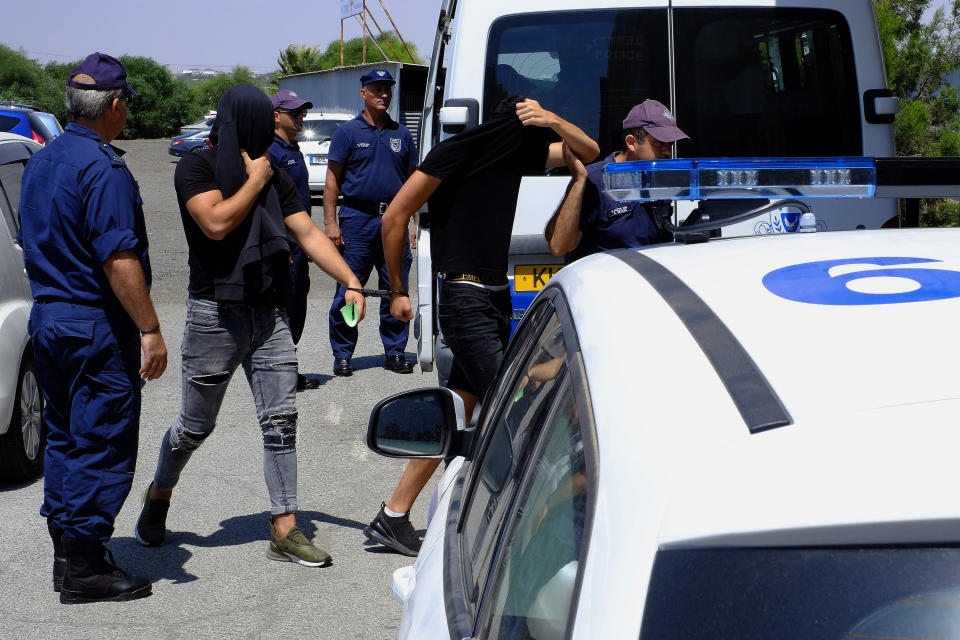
x=26 y=121
x=314 y=141
x=22 y=430
x=190 y=142
x=203 y=123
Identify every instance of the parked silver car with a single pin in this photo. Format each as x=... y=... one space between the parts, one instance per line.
x=22 y=430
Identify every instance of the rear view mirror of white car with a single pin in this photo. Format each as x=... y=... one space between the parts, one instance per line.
x=422 y=423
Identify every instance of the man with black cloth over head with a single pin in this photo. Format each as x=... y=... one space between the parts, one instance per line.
x=236 y=212
x=472 y=181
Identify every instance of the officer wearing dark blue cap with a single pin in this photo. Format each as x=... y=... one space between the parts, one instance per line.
x=370 y=157
x=85 y=249
x=288 y=112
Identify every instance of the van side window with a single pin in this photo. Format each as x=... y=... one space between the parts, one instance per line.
x=766 y=82
x=589 y=67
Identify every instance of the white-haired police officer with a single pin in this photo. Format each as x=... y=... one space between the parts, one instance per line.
x=85 y=249
x=370 y=157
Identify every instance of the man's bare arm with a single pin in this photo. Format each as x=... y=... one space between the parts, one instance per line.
x=217 y=216
x=563 y=230
x=125 y=276
x=325 y=255
x=412 y=195
x=331 y=191
x=532 y=114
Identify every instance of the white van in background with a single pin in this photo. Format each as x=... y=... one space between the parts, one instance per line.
x=746 y=78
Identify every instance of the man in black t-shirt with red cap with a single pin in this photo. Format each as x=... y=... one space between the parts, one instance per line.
x=472 y=182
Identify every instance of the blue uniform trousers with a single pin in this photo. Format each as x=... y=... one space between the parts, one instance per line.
x=87 y=363
x=363 y=251
x=299 y=288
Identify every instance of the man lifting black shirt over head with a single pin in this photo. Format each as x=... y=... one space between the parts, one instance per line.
x=472 y=181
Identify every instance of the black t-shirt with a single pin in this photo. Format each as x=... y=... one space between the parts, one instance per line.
x=195 y=174
x=472 y=211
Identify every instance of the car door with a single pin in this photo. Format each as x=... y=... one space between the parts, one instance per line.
x=523 y=462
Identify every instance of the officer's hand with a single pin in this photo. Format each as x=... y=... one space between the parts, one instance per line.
x=259 y=169
x=356 y=296
x=413 y=238
x=400 y=308
x=332 y=229
x=154 y=356
x=532 y=114
x=577 y=170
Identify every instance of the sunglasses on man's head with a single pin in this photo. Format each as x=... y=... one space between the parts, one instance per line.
x=299 y=113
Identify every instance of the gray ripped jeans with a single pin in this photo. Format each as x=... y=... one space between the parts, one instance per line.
x=220 y=336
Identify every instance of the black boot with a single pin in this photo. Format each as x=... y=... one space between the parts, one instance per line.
x=59 y=560
x=92 y=575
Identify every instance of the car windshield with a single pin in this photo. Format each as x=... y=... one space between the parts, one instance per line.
x=316 y=130
x=804 y=594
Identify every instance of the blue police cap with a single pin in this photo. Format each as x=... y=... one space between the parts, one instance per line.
x=377 y=75
x=107 y=73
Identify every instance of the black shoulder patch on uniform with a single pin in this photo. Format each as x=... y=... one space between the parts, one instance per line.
x=115 y=155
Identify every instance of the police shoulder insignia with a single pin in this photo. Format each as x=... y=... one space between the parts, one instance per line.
x=116 y=159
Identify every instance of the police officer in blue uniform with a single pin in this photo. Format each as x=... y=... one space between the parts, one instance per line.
x=370 y=157
x=85 y=249
x=288 y=112
x=587 y=221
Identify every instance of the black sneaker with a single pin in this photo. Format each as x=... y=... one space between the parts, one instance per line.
x=396 y=533
x=151 y=526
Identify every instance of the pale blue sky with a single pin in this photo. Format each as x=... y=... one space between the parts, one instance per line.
x=198 y=33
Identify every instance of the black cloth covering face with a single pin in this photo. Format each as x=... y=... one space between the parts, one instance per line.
x=244 y=122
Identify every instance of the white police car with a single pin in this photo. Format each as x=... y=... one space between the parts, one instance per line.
x=745 y=438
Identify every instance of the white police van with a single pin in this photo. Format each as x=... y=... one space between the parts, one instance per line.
x=744 y=78
x=745 y=438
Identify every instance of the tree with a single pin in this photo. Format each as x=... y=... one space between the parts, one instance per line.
x=162 y=103
x=353 y=51
x=210 y=90
x=299 y=58
x=918 y=58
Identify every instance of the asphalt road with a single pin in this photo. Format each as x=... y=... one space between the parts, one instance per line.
x=211 y=579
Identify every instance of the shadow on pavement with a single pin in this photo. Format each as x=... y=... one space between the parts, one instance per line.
x=167 y=562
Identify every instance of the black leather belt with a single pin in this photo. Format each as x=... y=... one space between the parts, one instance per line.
x=489 y=280
x=370 y=207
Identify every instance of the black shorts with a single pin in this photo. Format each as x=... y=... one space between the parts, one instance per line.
x=475 y=322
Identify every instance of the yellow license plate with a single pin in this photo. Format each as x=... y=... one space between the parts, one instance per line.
x=533 y=277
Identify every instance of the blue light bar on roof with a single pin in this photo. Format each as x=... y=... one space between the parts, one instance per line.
x=719 y=178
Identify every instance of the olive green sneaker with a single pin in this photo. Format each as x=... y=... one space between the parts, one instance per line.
x=294 y=547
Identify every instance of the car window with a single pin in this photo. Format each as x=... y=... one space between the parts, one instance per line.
x=539 y=560
x=757 y=82
x=589 y=67
x=518 y=408
x=10 y=175
x=7 y=123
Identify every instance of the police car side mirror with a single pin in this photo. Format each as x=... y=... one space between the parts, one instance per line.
x=422 y=423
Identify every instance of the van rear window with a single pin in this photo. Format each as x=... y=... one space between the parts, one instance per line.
x=749 y=81
x=804 y=594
